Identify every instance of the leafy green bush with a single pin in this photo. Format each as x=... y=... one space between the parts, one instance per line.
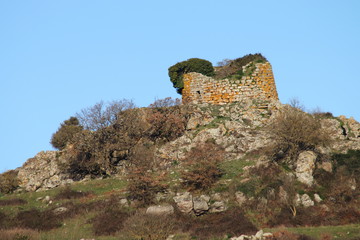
x=66 y=133
x=177 y=71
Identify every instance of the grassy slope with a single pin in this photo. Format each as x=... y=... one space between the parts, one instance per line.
x=79 y=227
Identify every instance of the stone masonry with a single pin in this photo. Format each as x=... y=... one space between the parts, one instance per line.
x=260 y=84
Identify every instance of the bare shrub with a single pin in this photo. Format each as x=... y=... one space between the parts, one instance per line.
x=12 y=202
x=34 y=219
x=68 y=193
x=295 y=103
x=231 y=222
x=144 y=182
x=166 y=123
x=295 y=131
x=4 y=220
x=202 y=166
x=228 y=68
x=102 y=115
x=92 y=151
x=18 y=234
x=165 y=102
x=149 y=227
x=109 y=221
x=9 y=181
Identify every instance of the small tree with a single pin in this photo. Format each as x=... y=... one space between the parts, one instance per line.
x=65 y=133
x=102 y=115
x=144 y=182
x=165 y=102
x=295 y=131
x=202 y=166
x=177 y=71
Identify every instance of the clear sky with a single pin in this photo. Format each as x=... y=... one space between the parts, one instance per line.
x=58 y=57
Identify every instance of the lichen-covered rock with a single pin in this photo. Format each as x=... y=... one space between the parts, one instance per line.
x=200 y=204
x=240 y=198
x=303 y=200
x=305 y=166
x=160 y=210
x=42 y=172
x=184 y=202
x=218 y=206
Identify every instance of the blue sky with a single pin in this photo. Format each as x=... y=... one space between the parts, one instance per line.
x=58 y=57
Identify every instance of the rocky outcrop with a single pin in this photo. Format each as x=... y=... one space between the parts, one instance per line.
x=42 y=172
x=305 y=166
x=240 y=128
x=199 y=205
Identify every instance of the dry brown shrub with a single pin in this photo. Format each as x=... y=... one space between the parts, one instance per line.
x=231 y=222
x=144 y=180
x=166 y=123
x=202 y=166
x=11 y=202
x=91 y=153
x=109 y=221
x=68 y=193
x=149 y=227
x=18 y=234
x=34 y=219
x=9 y=181
x=295 y=131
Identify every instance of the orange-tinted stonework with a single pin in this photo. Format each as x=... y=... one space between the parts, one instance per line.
x=260 y=84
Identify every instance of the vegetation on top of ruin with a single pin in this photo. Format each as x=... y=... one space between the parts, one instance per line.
x=225 y=69
x=177 y=71
x=234 y=68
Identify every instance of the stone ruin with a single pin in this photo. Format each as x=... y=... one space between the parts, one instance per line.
x=258 y=85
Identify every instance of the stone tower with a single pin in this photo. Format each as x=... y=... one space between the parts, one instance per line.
x=258 y=83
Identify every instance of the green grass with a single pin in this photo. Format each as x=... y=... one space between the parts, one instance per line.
x=344 y=232
x=235 y=167
x=101 y=188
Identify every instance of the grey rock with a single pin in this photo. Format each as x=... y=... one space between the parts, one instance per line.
x=184 y=202
x=160 y=210
x=60 y=210
x=200 y=205
x=306 y=200
x=218 y=206
x=43 y=172
x=305 y=166
x=317 y=198
x=240 y=198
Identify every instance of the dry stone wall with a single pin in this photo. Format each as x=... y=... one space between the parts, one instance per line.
x=260 y=84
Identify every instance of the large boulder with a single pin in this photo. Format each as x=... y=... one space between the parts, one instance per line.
x=305 y=166
x=184 y=202
x=201 y=204
x=160 y=210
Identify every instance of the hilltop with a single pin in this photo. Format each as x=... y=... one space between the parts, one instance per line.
x=200 y=165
